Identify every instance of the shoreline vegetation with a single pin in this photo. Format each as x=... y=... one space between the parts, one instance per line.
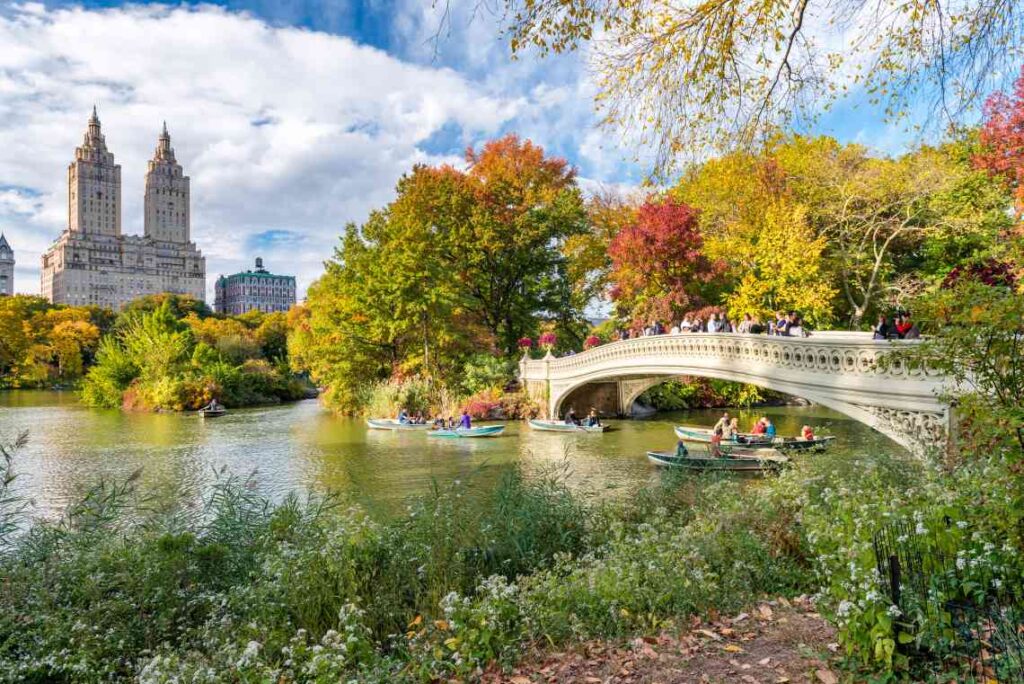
x=161 y=353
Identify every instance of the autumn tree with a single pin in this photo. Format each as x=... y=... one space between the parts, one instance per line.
x=461 y=261
x=692 y=77
x=782 y=268
x=508 y=257
x=588 y=263
x=659 y=268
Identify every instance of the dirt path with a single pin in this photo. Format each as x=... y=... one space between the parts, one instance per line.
x=778 y=642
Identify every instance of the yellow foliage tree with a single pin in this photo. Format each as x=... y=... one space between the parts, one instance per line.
x=782 y=267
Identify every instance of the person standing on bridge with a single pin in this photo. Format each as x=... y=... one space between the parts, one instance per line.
x=882 y=329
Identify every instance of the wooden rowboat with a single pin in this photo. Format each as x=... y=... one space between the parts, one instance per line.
x=701 y=435
x=765 y=463
x=392 y=424
x=559 y=426
x=461 y=433
x=212 y=412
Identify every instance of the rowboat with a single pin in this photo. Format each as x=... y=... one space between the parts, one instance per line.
x=392 y=424
x=459 y=433
x=701 y=435
x=216 y=412
x=559 y=426
x=765 y=463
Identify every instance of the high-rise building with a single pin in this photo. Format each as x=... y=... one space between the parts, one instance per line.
x=6 y=267
x=254 y=290
x=92 y=262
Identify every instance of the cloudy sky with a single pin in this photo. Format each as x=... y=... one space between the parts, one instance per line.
x=292 y=117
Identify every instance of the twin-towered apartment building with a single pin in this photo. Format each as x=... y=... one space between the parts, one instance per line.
x=93 y=263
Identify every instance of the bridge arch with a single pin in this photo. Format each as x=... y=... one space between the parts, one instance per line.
x=838 y=370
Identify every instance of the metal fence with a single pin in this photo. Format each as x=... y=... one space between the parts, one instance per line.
x=984 y=638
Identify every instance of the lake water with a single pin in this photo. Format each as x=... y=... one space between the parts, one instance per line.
x=301 y=447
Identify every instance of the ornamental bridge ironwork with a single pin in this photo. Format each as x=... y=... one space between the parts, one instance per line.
x=840 y=370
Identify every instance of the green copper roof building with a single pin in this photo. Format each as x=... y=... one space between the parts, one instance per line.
x=254 y=290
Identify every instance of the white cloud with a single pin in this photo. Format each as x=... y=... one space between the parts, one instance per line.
x=280 y=129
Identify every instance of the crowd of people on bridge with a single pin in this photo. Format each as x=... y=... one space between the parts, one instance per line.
x=787 y=324
x=899 y=327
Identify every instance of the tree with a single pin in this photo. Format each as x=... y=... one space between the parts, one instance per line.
x=459 y=262
x=508 y=257
x=879 y=208
x=698 y=76
x=659 y=269
x=179 y=305
x=1002 y=139
x=588 y=265
x=783 y=268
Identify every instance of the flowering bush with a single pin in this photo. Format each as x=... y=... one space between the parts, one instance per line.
x=548 y=340
x=591 y=342
x=482 y=405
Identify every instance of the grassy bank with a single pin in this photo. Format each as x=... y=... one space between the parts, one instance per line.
x=466 y=579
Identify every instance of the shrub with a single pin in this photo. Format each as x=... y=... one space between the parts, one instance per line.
x=484 y=372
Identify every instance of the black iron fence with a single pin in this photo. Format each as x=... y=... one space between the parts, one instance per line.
x=975 y=635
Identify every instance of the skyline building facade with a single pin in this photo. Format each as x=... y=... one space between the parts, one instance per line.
x=6 y=267
x=92 y=263
x=258 y=289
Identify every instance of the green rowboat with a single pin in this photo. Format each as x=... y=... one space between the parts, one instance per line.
x=461 y=433
x=745 y=464
x=701 y=435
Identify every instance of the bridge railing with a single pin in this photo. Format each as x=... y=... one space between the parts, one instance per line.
x=838 y=353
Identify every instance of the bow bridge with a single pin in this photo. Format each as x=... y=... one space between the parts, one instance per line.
x=840 y=370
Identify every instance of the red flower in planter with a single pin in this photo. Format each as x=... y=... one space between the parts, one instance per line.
x=525 y=343
x=591 y=342
x=548 y=340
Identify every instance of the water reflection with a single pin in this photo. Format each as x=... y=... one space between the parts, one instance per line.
x=301 y=447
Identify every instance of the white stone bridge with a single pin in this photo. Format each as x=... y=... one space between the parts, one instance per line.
x=839 y=370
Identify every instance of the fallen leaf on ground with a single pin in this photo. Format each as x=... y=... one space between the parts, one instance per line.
x=733 y=648
x=826 y=677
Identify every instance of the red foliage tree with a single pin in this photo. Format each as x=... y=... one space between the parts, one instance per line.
x=1002 y=138
x=659 y=269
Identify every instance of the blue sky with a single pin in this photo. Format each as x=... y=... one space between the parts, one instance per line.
x=291 y=117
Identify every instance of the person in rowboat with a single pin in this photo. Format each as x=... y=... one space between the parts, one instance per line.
x=807 y=433
x=722 y=423
x=715 y=448
x=681 y=450
x=465 y=423
x=570 y=417
x=593 y=420
x=403 y=416
x=769 y=428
